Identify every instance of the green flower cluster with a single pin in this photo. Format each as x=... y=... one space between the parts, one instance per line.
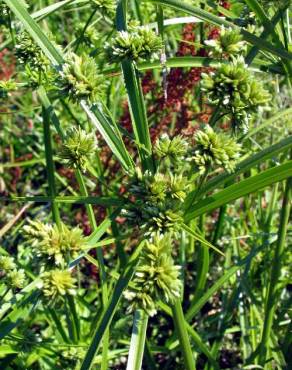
x=157 y=201
x=89 y=38
x=29 y=53
x=215 y=149
x=54 y=245
x=156 y=277
x=56 y=283
x=138 y=43
x=4 y=13
x=12 y=277
x=6 y=87
x=78 y=148
x=80 y=79
x=106 y=7
x=235 y=88
x=229 y=43
x=173 y=151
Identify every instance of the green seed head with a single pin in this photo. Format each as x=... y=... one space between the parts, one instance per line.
x=7 y=263
x=57 y=283
x=229 y=43
x=234 y=87
x=78 y=148
x=80 y=79
x=15 y=279
x=53 y=244
x=156 y=277
x=215 y=150
x=138 y=43
x=28 y=52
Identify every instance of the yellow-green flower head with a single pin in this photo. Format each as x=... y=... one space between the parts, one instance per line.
x=6 y=87
x=173 y=149
x=90 y=37
x=53 y=244
x=234 y=87
x=28 y=52
x=229 y=43
x=7 y=263
x=80 y=79
x=156 y=277
x=15 y=279
x=138 y=43
x=78 y=148
x=106 y=7
x=158 y=202
x=57 y=283
x=214 y=149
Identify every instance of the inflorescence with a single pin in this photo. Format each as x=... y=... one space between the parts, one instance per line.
x=78 y=148
x=234 y=88
x=11 y=276
x=138 y=43
x=80 y=79
x=156 y=277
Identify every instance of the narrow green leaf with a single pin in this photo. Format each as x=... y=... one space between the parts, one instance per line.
x=250 y=162
x=108 y=130
x=200 y=238
x=107 y=314
x=235 y=191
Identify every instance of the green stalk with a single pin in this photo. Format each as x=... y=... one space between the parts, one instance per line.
x=137 y=340
x=273 y=287
x=50 y=166
x=102 y=273
x=181 y=330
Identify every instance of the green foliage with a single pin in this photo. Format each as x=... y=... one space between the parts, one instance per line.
x=151 y=232
x=78 y=149
x=80 y=79
x=136 y=44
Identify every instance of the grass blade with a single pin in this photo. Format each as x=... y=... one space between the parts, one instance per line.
x=235 y=191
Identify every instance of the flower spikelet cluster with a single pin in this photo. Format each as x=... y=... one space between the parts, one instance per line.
x=29 y=53
x=12 y=277
x=138 y=43
x=6 y=87
x=157 y=201
x=215 y=149
x=156 y=277
x=55 y=245
x=233 y=86
x=78 y=148
x=89 y=37
x=80 y=79
x=171 y=149
x=55 y=283
x=106 y=7
x=229 y=43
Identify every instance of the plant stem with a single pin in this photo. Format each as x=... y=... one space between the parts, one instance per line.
x=50 y=165
x=137 y=340
x=181 y=330
x=272 y=291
